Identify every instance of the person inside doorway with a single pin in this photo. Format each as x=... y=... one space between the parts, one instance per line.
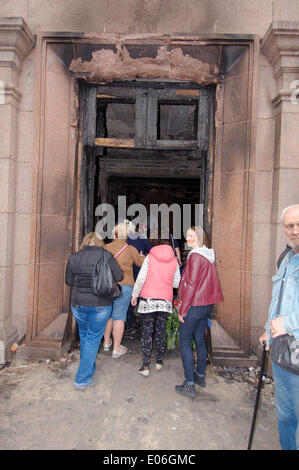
x=143 y=246
x=156 y=279
x=127 y=256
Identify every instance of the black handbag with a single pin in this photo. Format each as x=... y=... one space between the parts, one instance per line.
x=103 y=283
x=285 y=348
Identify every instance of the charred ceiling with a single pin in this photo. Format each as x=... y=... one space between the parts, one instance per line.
x=107 y=66
x=107 y=58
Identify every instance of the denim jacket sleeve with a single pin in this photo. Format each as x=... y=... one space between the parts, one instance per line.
x=289 y=308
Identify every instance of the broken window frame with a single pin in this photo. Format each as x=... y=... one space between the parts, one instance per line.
x=147 y=98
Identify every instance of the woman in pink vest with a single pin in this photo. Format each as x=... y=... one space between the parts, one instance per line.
x=158 y=275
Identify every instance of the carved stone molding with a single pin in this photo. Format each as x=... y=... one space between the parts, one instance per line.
x=281 y=45
x=16 y=41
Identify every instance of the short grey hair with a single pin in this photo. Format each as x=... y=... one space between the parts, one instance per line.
x=283 y=213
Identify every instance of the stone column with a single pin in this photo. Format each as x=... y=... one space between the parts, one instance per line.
x=16 y=41
x=280 y=45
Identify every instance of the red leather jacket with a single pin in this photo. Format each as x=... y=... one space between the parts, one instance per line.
x=199 y=284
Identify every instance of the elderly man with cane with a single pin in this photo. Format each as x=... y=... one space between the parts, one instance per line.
x=282 y=334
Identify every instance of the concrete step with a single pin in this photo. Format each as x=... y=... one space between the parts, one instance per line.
x=235 y=361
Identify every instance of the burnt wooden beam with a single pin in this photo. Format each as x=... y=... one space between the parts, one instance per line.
x=89 y=189
x=106 y=142
x=152 y=118
x=115 y=92
x=187 y=93
x=176 y=144
x=90 y=115
x=203 y=120
x=101 y=125
x=141 y=106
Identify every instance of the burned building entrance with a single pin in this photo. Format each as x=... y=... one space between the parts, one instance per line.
x=150 y=138
x=172 y=117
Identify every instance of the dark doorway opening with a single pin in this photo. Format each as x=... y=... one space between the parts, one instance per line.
x=184 y=193
x=148 y=136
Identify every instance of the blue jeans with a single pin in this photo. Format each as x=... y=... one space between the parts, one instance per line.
x=286 y=386
x=91 y=323
x=120 y=305
x=194 y=326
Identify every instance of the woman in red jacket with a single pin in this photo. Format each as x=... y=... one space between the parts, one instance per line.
x=199 y=289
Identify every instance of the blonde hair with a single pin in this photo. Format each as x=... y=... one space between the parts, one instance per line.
x=92 y=239
x=123 y=229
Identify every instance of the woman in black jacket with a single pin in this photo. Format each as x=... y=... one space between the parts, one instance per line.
x=90 y=311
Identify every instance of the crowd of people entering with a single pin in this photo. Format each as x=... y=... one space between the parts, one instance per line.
x=147 y=272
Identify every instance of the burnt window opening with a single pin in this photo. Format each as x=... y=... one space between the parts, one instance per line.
x=150 y=117
x=155 y=132
x=177 y=121
x=115 y=118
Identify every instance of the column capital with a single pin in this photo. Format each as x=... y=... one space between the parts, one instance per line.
x=280 y=46
x=16 y=41
x=281 y=41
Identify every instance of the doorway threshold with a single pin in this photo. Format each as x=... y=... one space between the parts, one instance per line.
x=51 y=343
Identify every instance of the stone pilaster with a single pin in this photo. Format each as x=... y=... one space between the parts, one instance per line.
x=16 y=41
x=281 y=45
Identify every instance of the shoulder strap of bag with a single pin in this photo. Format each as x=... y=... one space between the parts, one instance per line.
x=282 y=255
x=121 y=251
x=280 y=293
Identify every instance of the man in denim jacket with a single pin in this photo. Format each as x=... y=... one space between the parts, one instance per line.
x=286 y=384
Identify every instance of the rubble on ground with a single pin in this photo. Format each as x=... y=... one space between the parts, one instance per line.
x=249 y=375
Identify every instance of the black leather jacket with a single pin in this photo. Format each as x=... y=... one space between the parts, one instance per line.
x=79 y=276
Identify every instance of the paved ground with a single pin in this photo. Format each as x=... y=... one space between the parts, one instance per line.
x=41 y=410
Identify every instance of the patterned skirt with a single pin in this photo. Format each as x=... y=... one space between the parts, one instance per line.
x=154 y=305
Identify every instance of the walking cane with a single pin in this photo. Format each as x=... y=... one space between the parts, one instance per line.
x=257 y=395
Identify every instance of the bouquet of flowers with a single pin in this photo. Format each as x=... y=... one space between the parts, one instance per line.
x=172 y=327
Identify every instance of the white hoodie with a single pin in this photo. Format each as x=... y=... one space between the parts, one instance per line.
x=208 y=253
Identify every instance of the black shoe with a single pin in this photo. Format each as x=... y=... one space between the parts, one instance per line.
x=185 y=389
x=201 y=381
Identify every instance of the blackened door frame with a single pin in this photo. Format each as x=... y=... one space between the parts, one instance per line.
x=146 y=95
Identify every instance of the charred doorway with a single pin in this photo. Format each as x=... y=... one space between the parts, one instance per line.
x=167 y=191
x=77 y=162
x=150 y=137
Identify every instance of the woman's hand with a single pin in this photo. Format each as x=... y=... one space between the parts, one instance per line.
x=181 y=319
x=134 y=301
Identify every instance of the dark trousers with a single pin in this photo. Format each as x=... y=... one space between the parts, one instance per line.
x=153 y=328
x=129 y=317
x=194 y=326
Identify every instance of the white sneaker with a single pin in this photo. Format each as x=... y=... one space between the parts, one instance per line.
x=143 y=371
